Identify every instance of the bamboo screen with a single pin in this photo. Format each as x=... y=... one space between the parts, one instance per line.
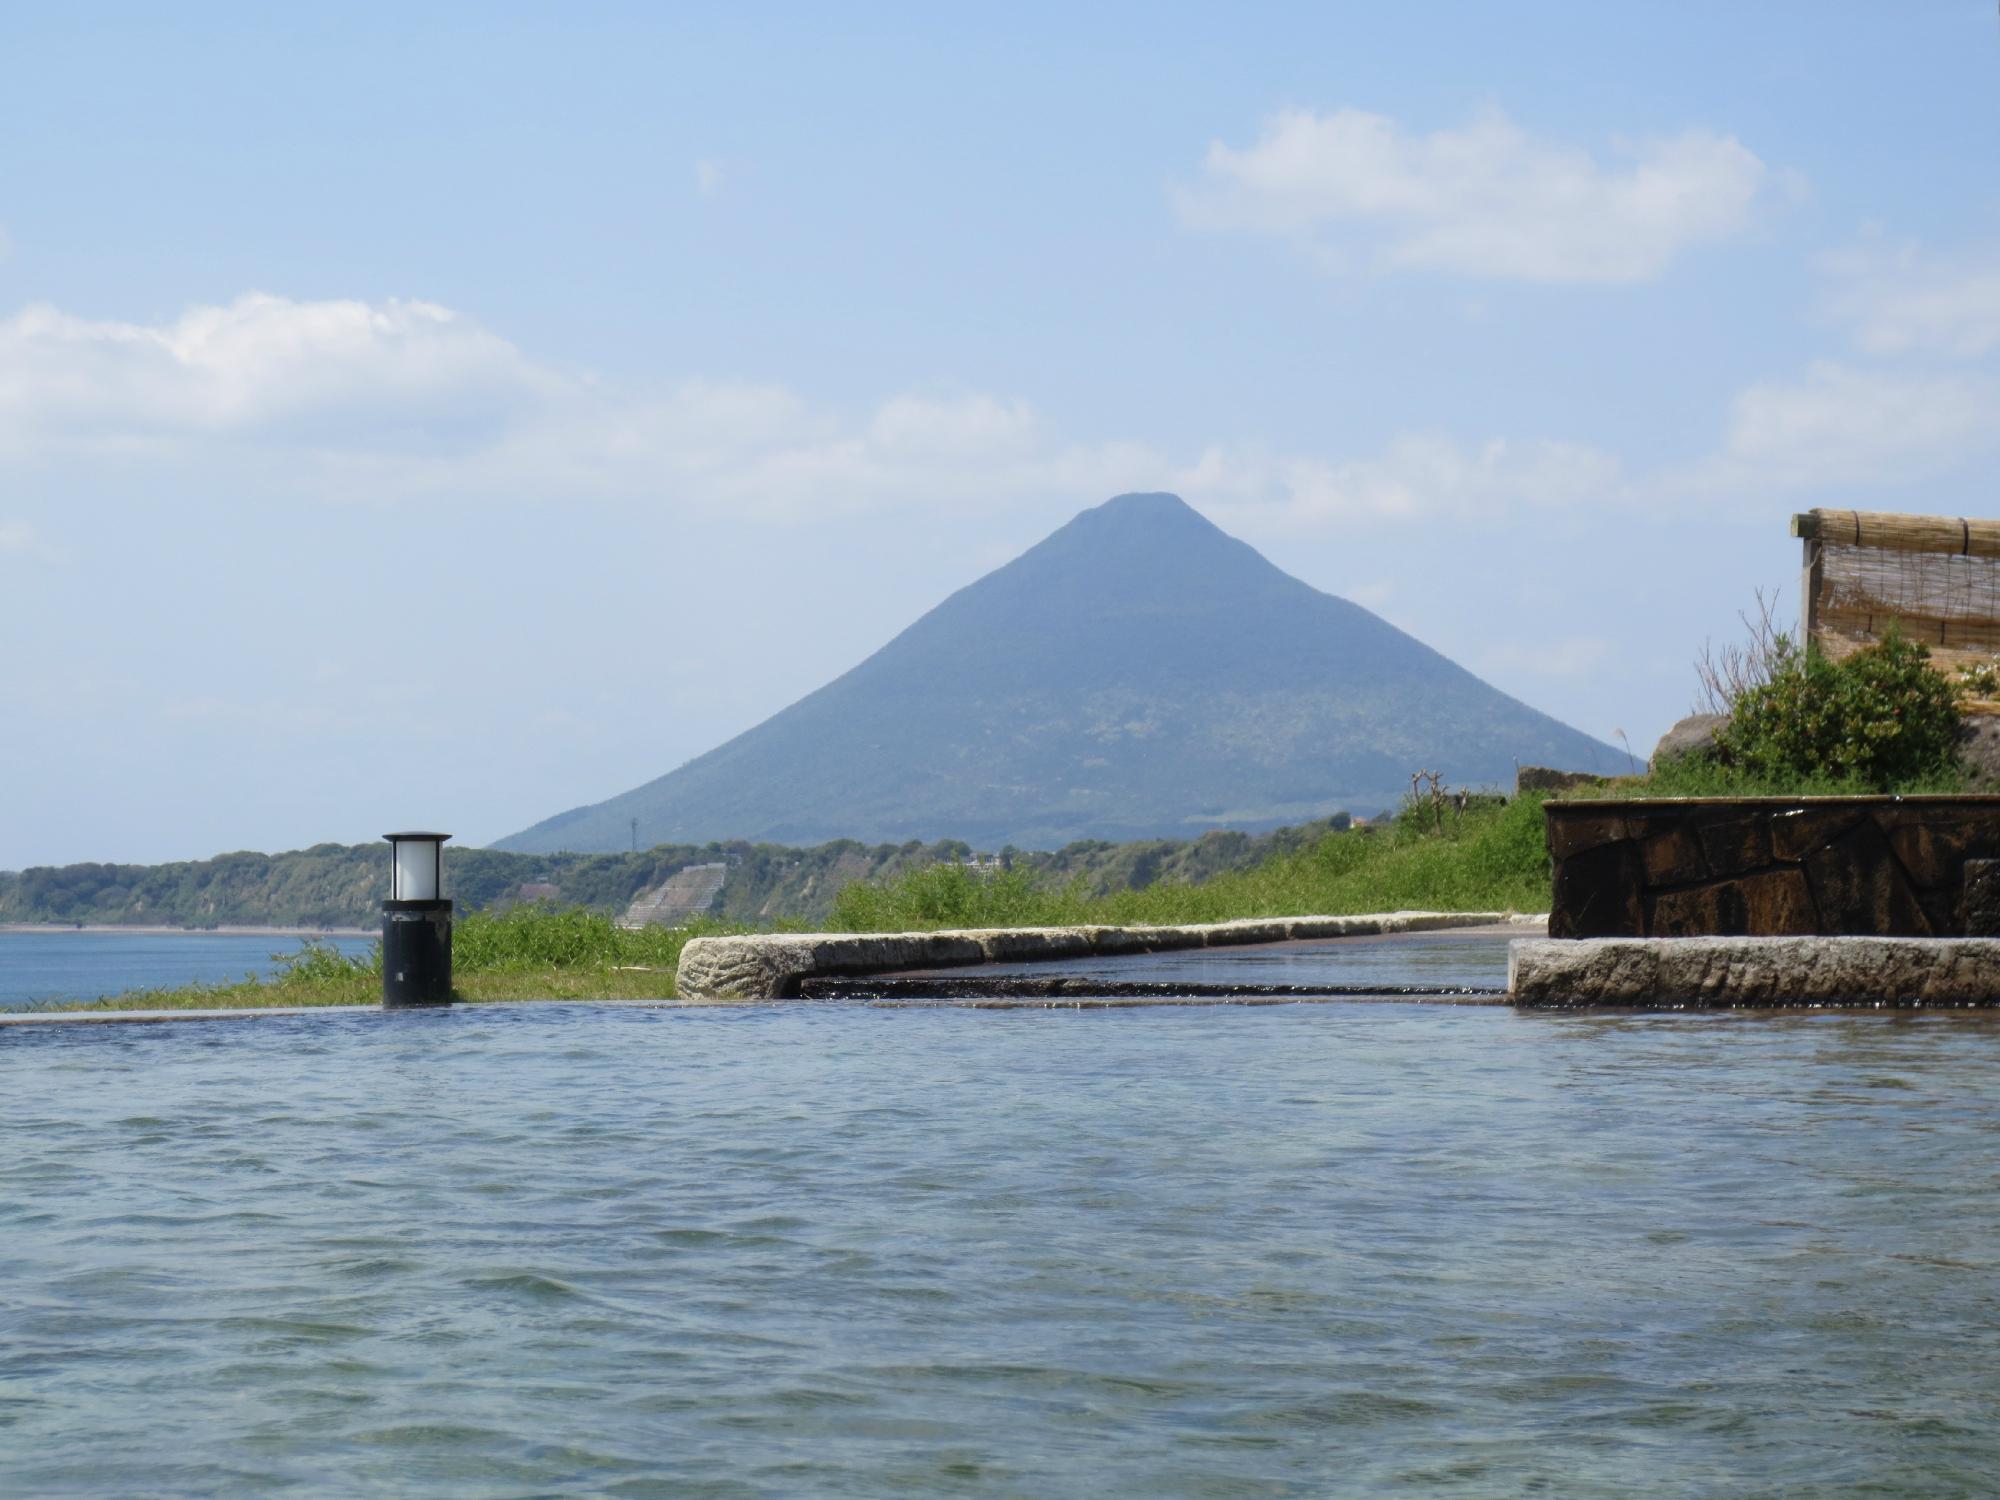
x=1938 y=577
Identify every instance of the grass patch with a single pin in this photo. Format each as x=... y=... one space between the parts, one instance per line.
x=528 y=953
x=1486 y=859
x=1698 y=776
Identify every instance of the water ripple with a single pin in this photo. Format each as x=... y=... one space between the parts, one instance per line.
x=1294 y=1251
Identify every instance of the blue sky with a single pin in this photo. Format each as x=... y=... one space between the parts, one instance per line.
x=453 y=415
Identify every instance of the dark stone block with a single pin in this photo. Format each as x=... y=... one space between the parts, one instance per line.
x=1930 y=853
x=1796 y=832
x=1982 y=898
x=1861 y=890
x=1736 y=843
x=1597 y=893
x=1934 y=845
x=1943 y=909
x=1572 y=834
x=1672 y=856
x=1779 y=903
x=1774 y=903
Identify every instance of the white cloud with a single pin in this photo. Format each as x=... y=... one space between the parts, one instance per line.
x=407 y=400
x=708 y=178
x=397 y=401
x=1900 y=300
x=393 y=376
x=1417 y=476
x=1486 y=200
x=1842 y=427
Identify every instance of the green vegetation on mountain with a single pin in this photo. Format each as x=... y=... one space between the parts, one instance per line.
x=1137 y=674
x=337 y=885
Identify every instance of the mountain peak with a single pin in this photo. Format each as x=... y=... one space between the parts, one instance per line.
x=1143 y=512
x=1137 y=673
x=1144 y=505
x=1150 y=546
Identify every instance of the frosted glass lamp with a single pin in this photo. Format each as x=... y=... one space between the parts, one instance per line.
x=416 y=871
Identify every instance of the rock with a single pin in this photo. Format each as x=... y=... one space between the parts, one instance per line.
x=1776 y=903
x=1672 y=857
x=1547 y=779
x=1247 y=930
x=1859 y=888
x=769 y=967
x=1934 y=846
x=1694 y=735
x=1332 y=927
x=1979 y=751
x=1036 y=944
x=1696 y=972
x=1735 y=845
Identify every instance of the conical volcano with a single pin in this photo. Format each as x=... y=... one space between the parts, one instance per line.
x=1137 y=674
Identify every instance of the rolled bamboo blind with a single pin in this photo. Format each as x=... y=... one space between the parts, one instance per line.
x=1937 y=577
x=1950 y=535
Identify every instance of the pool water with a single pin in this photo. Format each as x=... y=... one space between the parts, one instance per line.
x=843 y=1250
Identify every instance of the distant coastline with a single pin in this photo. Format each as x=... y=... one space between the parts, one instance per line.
x=159 y=930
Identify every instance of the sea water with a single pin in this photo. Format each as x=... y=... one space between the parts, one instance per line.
x=830 y=1249
x=70 y=964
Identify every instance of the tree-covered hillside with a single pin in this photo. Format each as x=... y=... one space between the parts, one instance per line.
x=339 y=885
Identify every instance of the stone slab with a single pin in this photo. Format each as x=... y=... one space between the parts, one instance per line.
x=772 y=966
x=1762 y=972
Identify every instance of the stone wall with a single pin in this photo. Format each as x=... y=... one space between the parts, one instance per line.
x=1766 y=866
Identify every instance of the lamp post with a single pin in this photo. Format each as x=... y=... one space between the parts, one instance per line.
x=416 y=924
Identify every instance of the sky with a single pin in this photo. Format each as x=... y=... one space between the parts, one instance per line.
x=445 y=416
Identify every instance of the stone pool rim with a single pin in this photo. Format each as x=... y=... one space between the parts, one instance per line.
x=772 y=966
x=1856 y=973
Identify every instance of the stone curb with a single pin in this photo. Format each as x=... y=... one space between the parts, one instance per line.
x=1719 y=972
x=772 y=966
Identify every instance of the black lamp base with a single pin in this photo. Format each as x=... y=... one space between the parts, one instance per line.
x=416 y=954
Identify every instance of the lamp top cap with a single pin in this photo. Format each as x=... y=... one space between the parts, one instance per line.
x=412 y=838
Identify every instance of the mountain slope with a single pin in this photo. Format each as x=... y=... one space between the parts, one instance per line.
x=1136 y=674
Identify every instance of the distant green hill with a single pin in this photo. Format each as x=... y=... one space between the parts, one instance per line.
x=1137 y=674
x=342 y=885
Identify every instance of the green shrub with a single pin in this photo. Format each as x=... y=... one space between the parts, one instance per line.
x=544 y=937
x=1878 y=720
x=947 y=895
x=317 y=961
